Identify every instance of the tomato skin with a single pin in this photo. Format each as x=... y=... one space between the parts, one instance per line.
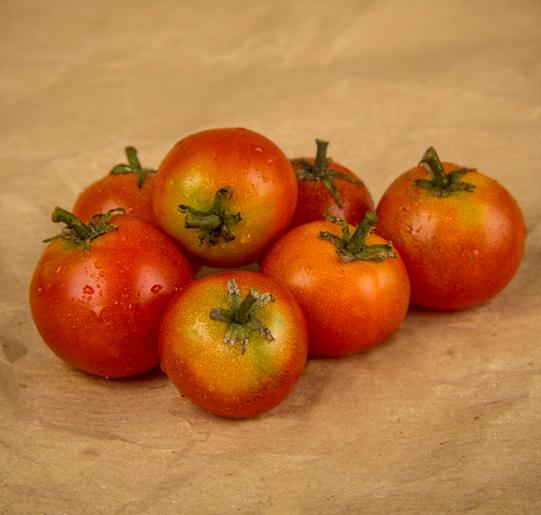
x=315 y=201
x=117 y=191
x=215 y=375
x=258 y=173
x=459 y=250
x=348 y=307
x=100 y=310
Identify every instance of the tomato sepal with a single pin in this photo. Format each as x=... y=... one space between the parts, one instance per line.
x=215 y=223
x=241 y=316
x=133 y=166
x=353 y=247
x=80 y=233
x=321 y=172
x=442 y=184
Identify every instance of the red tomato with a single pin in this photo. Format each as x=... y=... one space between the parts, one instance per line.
x=460 y=233
x=234 y=343
x=326 y=187
x=99 y=291
x=128 y=185
x=225 y=195
x=352 y=289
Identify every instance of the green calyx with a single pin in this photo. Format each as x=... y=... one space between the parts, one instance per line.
x=133 y=166
x=215 y=224
x=80 y=233
x=353 y=247
x=442 y=184
x=241 y=315
x=321 y=172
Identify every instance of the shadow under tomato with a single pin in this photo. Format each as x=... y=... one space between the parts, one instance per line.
x=152 y=379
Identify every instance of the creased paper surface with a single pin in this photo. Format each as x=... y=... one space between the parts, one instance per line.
x=442 y=418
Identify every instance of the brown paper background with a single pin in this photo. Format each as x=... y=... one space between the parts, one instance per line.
x=443 y=418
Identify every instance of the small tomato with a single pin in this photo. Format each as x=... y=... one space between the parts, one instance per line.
x=100 y=289
x=327 y=187
x=127 y=185
x=352 y=288
x=460 y=233
x=225 y=195
x=234 y=343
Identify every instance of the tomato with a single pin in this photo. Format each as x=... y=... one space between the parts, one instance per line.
x=327 y=187
x=460 y=233
x=234 y=343
x=225 y=195
x=352 y=288
x=100 y=289
x=128 y=185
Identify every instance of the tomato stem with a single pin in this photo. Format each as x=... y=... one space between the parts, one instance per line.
x=241 y=315
x=320 y=171
x=133 y=166
x=321 y=161
x=354 y=247
x=442 y=184
x=214 y=224
x=80 y=233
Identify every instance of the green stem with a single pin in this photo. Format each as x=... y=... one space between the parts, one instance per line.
x=214 y=224
x=442 y=184
x=80 y=230
x=321 y=162
x=244 y=311
x=320 y=171
x=80 y=233
x=133 y=160
x=358 y=241
x=241 y=315
x=354 y=247
x=133 y=166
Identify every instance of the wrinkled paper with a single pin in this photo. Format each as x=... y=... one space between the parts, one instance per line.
x=444 y=417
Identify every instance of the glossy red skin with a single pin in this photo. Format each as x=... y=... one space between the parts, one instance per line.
x=459 y=250
x=348 y=307
x=315 y=200
x=117 y=191
x=215 y=375
x=100 y=310
x=260 y=175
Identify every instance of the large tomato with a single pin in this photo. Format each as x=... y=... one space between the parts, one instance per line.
x=225 y=195
x=234 y=343
x=327 y=187
x=127 y=185
x=100 y=289
x=460 y=233
x=352 y=288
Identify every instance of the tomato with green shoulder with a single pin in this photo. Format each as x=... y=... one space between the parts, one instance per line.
x=235 y=343
x=225 y=195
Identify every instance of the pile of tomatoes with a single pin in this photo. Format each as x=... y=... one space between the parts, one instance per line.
x=118 y=291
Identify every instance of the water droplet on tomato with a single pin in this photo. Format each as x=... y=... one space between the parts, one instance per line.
x=98 y=264
x=58 y=268
x=156 y=288
x=88 y=290
x=270 y=160
x=258 y=149
x=40 y=289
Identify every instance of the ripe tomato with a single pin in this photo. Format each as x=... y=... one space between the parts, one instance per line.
x=352 y=289
x=127 y=185
x=234 y=343
x=326 y=187
x=225 y=194
x=460 y=233
x=99 y=291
